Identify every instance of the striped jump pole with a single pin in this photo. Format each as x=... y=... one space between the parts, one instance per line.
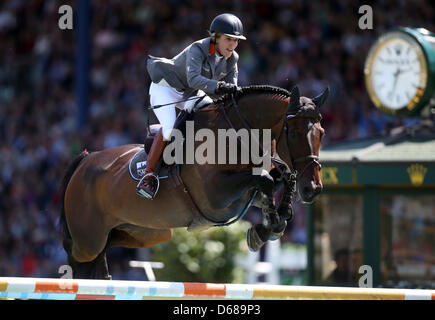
x=77 y=289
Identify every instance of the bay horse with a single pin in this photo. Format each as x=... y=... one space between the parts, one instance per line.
x=100 y=208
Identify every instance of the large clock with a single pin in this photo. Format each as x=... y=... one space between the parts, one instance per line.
x=400 y=70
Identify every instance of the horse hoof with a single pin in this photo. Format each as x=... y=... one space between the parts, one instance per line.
x=285 y=213
x=253 y=240
x=275 y=236
x=278 y=231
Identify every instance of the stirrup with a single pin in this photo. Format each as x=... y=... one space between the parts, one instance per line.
x=143 y=193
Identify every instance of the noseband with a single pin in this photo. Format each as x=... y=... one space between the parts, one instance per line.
x=314 y=160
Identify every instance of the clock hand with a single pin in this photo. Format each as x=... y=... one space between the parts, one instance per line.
x=396 y=76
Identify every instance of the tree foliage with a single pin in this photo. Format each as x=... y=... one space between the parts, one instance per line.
x=206 y=256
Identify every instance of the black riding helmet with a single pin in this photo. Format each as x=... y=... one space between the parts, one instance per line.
x=228 y=24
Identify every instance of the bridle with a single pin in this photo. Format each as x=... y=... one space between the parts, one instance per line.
x=314 y=158
x=290 y=178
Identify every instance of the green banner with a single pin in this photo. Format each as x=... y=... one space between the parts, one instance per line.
x=337 y=175
x=413 y=174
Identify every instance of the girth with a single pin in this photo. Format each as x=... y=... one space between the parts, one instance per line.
x=200 y=220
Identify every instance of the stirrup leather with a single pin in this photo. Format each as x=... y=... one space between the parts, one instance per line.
x=144 y=194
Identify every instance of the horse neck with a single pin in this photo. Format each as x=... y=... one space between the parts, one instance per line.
x=263 y=111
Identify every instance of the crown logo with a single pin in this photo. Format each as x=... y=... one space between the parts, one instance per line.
x=416 y=174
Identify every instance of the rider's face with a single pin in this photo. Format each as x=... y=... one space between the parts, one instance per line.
x=226 y=45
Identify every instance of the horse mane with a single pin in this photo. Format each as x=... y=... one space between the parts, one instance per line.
x=306 y=109
x=253 y=89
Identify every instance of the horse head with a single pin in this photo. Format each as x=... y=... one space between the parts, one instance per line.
x=295 y=124
x=302 y=138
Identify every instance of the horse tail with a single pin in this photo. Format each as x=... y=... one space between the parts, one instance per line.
x=66 y=178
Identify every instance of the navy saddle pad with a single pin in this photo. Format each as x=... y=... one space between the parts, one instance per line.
x=138 y=164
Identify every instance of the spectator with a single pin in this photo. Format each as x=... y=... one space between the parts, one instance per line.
x=309 y=43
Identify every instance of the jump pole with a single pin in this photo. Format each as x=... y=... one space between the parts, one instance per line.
x=77 y=289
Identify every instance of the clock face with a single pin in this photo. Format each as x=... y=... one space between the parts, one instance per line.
x=396 y=72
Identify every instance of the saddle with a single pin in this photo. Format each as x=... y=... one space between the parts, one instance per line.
x=137 y=164
x=137 y=167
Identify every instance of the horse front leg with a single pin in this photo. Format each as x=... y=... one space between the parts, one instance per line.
x=285 y=209
x=259 y=234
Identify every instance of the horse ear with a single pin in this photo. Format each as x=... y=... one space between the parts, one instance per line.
x=294 y=99
x=321 y=98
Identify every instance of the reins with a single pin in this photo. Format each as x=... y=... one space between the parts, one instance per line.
x=289 y=174
x=314 y=159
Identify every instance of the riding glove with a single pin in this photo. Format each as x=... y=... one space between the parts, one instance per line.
x=224 y=87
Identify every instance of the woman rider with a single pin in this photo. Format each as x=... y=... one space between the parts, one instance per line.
x=208 y=65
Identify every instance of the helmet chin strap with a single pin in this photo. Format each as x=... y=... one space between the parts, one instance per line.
x=218 y=52
x=213 y=38
x=214 y=42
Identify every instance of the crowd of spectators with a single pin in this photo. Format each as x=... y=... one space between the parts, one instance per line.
x=309 y=43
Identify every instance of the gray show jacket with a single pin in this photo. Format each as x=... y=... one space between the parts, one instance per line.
x=194 y=69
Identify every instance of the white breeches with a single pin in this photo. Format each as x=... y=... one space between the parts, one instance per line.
x=163 y=94
x=166 y=115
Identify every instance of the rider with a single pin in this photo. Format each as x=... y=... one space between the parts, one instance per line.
x=208 y=65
